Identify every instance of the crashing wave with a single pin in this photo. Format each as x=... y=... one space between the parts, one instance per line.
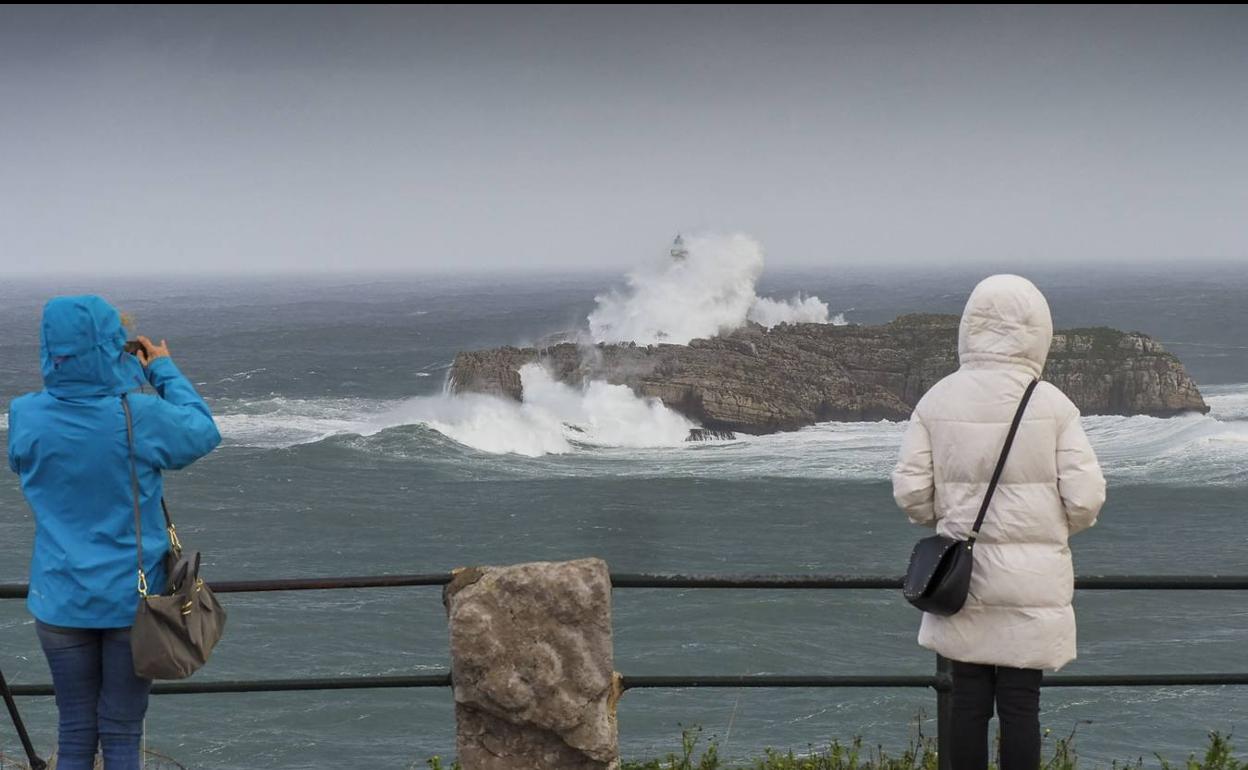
x=559 y=420
x=707 y=291
x=554 y=418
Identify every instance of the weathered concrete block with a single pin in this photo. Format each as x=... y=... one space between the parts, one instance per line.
x=533 y=666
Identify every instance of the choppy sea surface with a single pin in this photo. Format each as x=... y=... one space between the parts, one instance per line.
x=343 y=455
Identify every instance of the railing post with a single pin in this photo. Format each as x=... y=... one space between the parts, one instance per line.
x=944 y=713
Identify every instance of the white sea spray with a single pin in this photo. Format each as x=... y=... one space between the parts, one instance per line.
x=707 y=293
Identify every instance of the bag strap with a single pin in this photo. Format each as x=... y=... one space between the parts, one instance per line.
x=172 y=531
x=1005 y=452
x=134 y=491
x=174 y=543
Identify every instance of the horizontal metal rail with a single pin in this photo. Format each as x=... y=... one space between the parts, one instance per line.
x=644 y=580
x=272 y=685
x=19 y=590
x=938 y=682
x=941 y=682
x=853 y=582
x=784 y=681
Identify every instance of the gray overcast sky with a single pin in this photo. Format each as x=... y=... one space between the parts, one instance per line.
x=278 y=138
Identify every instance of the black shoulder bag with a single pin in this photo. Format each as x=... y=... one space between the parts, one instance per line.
x=939 y=576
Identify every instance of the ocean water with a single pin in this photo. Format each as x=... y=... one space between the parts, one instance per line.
x=344 y=456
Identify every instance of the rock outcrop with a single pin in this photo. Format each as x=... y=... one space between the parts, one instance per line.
x=756 y=380
x=532 y=666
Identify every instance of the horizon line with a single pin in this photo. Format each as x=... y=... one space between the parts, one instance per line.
x=1008 y=263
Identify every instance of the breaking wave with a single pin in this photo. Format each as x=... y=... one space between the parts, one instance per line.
x=708 y=292
x=553 y=419
x=1228 y=403
x=607 y=430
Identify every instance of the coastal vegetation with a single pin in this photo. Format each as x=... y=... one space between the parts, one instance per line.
x=920 y=754
x=1060 y=754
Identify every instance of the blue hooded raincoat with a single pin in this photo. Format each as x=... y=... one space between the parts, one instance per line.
x=68 y=443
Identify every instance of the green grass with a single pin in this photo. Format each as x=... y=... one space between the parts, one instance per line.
x=920 y=754
x=1059 y=754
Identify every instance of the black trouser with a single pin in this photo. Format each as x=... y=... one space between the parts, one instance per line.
x=1017 y=695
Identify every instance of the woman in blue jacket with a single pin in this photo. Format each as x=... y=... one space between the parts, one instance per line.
x=68 y=444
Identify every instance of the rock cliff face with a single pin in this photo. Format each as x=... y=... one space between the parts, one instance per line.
x=761 y=381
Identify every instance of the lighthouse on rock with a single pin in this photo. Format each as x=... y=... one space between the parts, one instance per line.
x=679 y=252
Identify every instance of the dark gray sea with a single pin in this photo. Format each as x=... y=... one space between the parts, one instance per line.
x=343 y=456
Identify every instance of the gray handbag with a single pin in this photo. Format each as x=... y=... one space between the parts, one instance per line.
x=174 y=631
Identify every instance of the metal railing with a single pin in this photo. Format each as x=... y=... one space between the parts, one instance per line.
x=941 y=681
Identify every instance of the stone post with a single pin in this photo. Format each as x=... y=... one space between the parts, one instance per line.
x=532 y=666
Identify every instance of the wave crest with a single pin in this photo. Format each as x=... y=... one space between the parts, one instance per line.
x=554 y=418
x=709 y=292
x=647 y=439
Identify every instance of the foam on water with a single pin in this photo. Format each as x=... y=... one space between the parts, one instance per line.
x=279 y=422
x=1193 y=449
x=606 y=429
x=710 y=291
x=553 y=419
x=1227 y=402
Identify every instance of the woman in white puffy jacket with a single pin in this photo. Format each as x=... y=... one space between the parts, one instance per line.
x=1018 y=619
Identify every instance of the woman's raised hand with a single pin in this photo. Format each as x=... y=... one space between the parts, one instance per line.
x=151 y=351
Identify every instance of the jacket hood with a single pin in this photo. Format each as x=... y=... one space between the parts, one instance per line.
x=1006 y=323
x=82 y=349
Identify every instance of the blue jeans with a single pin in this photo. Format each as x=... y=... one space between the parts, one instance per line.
x=100 y=700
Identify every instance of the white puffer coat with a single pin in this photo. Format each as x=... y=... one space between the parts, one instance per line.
x=1019 y=611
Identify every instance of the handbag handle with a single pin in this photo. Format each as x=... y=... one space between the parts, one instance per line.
x=174 y=543
x=1005 y=452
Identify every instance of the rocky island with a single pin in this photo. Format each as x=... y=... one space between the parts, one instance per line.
x=757 y=380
